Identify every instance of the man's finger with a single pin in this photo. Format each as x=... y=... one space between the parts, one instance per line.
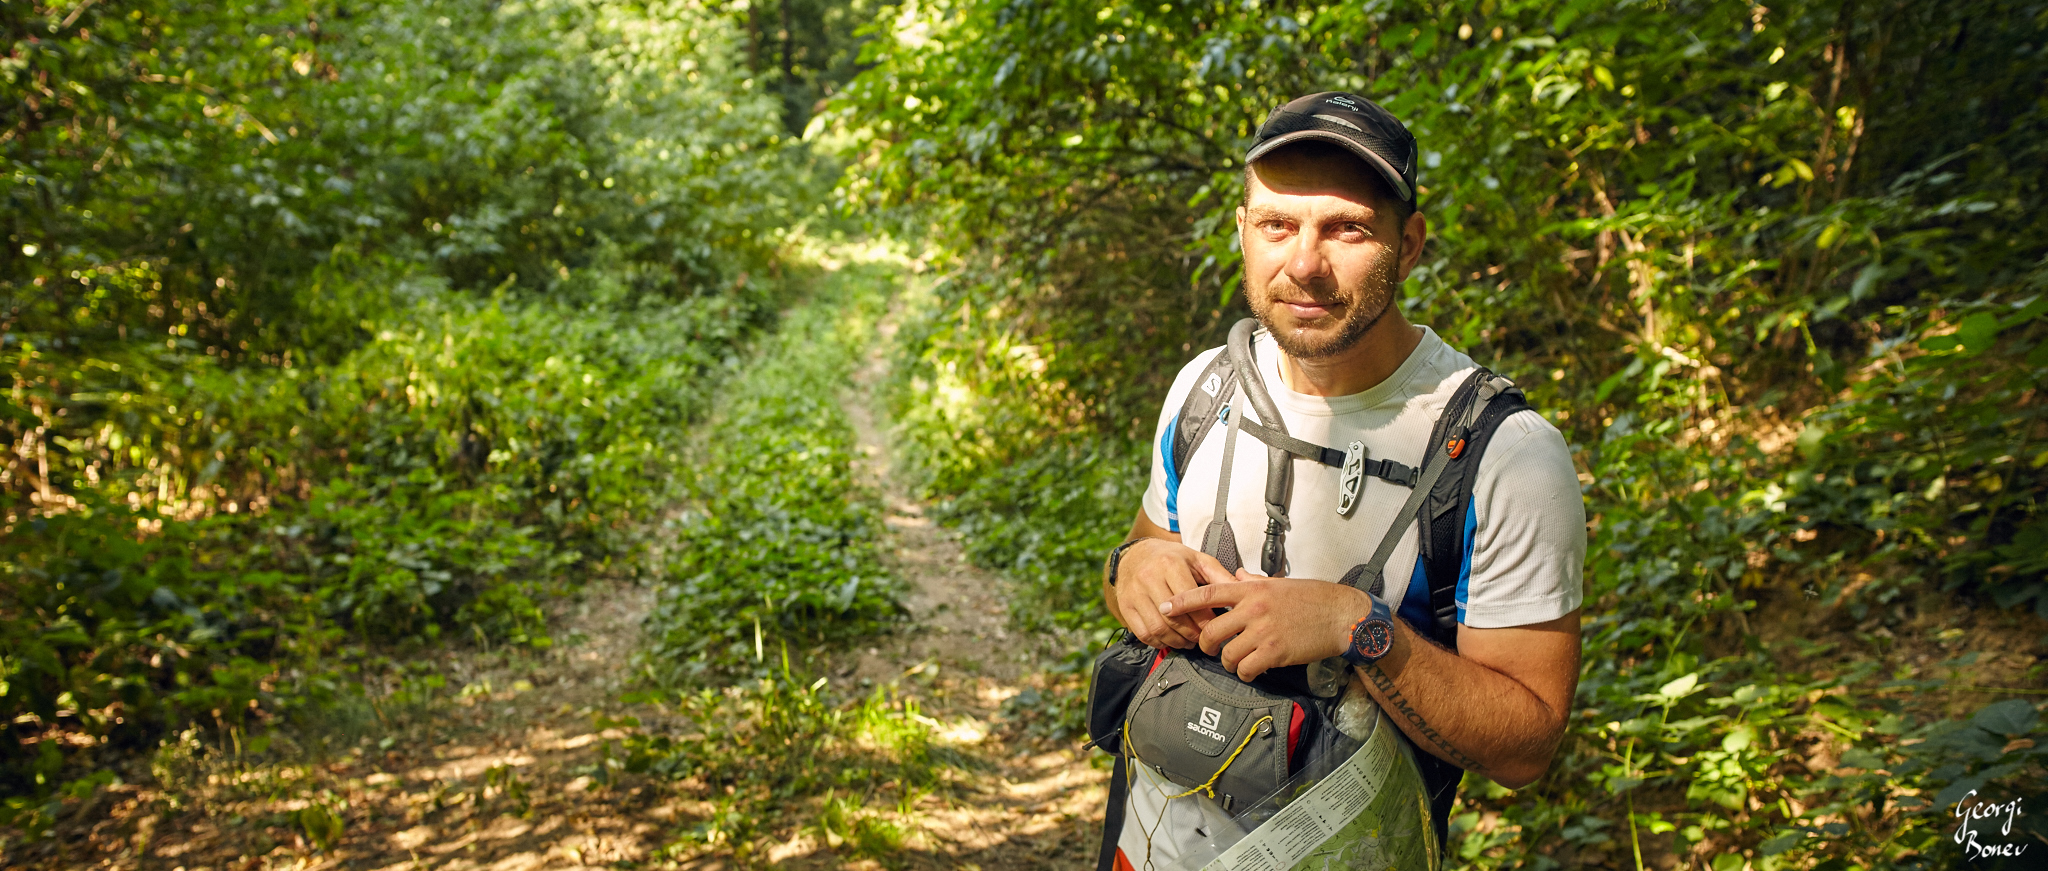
x=1252 y=665
x=1170 y=635
x=1204 y=597
x=1226 y=626
x=1182 y=631
x=1234 y=652
x=1209 y=571
x=1192 y=622
x=1154 y=629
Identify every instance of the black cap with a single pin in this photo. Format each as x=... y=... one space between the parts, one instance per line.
x=1360 y=125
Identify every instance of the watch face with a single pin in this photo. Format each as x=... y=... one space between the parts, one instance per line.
x=1373 y=639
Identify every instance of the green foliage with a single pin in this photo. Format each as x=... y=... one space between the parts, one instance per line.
x=730 y=733
x=778 y=556
x=781 y=543
x=804 y=50
x=768 y=749
x=1047 y=520
x=321 y=823
x=1583 y=153
x=329 y=327
x=1777 y=273
x=506 y=782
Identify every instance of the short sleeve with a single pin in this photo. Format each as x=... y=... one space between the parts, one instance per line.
x=1527 y=547
x=1162 y=495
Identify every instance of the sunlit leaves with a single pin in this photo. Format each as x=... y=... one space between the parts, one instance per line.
x=334 y=327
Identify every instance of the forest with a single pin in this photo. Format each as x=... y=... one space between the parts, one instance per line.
x=688 y=433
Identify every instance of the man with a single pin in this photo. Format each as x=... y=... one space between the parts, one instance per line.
x=1329 y=232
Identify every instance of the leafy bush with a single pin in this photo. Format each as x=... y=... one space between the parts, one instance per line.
x=325 y=328
x=496 y=455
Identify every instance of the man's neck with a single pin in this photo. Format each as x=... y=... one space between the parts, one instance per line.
x=1361 y=367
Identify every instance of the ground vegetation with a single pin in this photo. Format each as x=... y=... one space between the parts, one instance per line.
x=337 y=331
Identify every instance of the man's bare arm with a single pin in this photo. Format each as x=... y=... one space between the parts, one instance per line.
x=1497 y=707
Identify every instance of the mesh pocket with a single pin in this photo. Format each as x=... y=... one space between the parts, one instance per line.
x=1119 y=670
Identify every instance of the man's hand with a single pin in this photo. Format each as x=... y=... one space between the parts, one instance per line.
x=1152 y=573
x=1272 y=622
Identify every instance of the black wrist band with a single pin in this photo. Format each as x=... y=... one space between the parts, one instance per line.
x=1116 y=555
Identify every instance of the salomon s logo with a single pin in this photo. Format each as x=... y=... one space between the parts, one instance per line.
x=1207 y=728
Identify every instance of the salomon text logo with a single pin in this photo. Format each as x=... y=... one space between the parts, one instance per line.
x=1210 y=718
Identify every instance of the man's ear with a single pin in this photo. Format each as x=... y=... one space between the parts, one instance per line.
x=1413 y=234
x=1240 y=220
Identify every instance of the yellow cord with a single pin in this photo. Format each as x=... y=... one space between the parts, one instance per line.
x=1209 y=787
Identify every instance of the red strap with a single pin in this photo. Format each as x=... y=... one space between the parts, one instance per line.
x=1123 y=863
x=1157 y=658
x=1294 y=732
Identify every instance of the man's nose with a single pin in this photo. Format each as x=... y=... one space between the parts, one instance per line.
x=1306 y=264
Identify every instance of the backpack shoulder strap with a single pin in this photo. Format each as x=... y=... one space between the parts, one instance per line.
x=1113 y=818
x=1199 y=411
x=1446 y=539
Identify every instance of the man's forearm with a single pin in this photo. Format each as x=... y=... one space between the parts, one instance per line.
x=1465 y=713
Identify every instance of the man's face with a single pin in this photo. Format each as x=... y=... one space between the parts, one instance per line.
x=1321 y=263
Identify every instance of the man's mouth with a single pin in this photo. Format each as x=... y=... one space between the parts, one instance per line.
x=1309 y=310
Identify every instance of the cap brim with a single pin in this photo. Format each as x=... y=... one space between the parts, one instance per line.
x=1386 y=169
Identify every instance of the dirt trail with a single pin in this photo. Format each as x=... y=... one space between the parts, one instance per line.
x=1033 y=804
x=505 y=769
x=507 y=774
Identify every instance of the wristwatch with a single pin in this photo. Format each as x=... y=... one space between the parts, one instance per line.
x=1116 y=555
x=1371 y=637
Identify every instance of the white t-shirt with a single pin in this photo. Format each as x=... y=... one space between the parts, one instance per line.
x=1526 y=529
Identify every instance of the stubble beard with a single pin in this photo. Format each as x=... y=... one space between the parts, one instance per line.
x=1375 y=297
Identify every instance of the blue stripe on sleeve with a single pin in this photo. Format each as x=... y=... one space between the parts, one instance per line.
x=1414 y=606
x=1172 y=476
x=1465 y=565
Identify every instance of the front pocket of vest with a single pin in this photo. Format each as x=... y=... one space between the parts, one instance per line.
x=1120 y=670
x=1190 y=724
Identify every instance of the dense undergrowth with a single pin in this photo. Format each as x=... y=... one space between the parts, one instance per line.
x=776 y=561
x=1777 y=273
x=779 y=753
x=779 y=546
x=331 y=332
